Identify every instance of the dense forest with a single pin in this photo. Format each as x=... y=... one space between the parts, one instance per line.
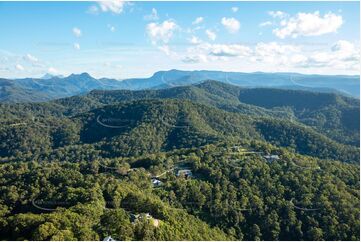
x=203 y=162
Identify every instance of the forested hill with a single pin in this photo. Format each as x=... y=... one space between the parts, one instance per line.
x=333 y=115
x=145 y=126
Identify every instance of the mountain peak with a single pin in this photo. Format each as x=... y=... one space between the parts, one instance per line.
x=48 y=76
x=82 y=75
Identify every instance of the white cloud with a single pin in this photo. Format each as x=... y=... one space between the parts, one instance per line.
x=93 y=9
x=30 y=58
x=234 y=9
x=205 y=52
x=211 y=35
x=52 y=70
x=298 y=59
x=342 y=55
x=76 y=46
x=153 y=16
x=198 y=20
x=161 y=32
x=113 y=6
x=231 y=24
x=231 y=50
x=77 y=32
x=19 y=67
x=167 y=51
x=274 y=53
x=195 y=40
x=309 y=24
x=345 y=50
x=111 y=28
x=264 y=24
x=194 y=59
x=277 y=14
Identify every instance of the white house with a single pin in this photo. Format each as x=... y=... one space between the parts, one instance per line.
x=156 y=182
x=271 y=158
x=108 y=238
x=185 y=172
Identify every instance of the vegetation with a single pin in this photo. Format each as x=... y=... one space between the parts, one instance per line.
x=81 y=168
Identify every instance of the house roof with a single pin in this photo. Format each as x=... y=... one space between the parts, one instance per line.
x=108 y=238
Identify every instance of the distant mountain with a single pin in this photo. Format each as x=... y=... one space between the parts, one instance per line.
x=53 y=87
x=49 y=76
x=322 y=83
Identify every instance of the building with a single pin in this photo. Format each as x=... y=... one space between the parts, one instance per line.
x=108 y=238
x=271 y=158
x=185 y=172
x=135 y=217
x=156 y=182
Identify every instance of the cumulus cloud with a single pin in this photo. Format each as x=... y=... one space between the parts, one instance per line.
x=274 y=48
x=77 y=32
x=277 y=14
x=345 y=50
x=230 y=50
x=231 y=24
x=205 y=52
x=76 y=46
x=194 y=59
x=342 y=55
x=308 y=24
x=198 y=20
x=52 y=70
x=30 y=58
x=211 y=35
x=161 y=32
x=19 y=67
x=234 y=9
x=167 y=51
x=194 y=40
x=153 y=16
x=264 y=24
x=113 y=6
x=274 y=53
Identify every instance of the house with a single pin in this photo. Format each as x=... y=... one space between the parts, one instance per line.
x=185 y=172
x=108 y=238
x=135 y=217
x=156 y=182
x=271 y=158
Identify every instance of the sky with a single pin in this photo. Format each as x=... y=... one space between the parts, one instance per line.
x=118 y=39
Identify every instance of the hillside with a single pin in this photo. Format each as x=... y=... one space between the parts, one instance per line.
x=83 y=168
x=231 y=196
x=333 y=115
x=143 y=126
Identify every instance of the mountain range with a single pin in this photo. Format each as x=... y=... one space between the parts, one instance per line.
x=53 y=87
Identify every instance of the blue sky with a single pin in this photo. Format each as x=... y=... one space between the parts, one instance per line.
x=134 y=39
